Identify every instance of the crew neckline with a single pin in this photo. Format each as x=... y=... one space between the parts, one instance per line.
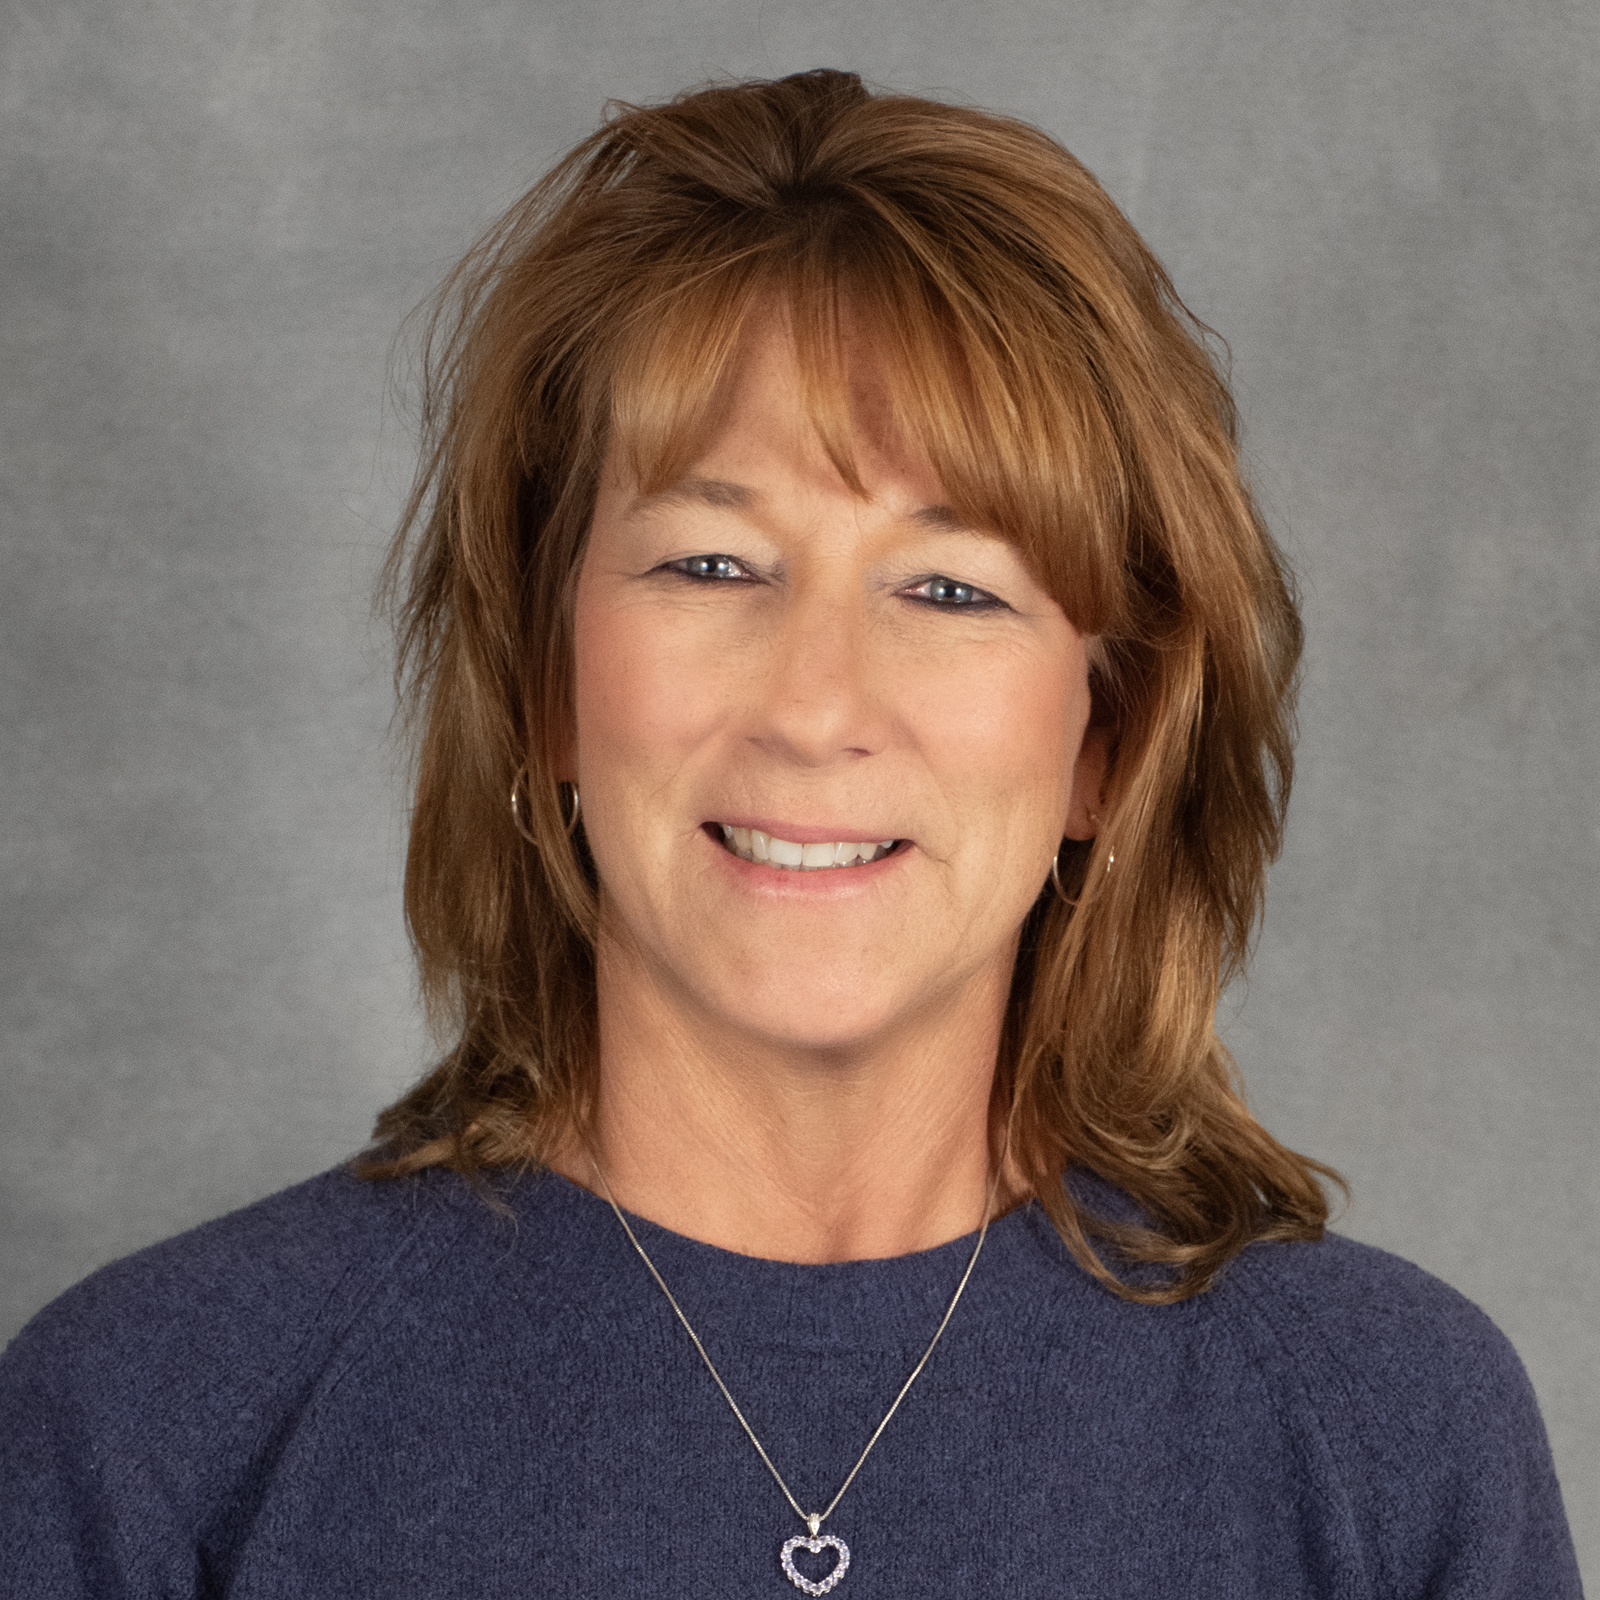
x=875 y=1302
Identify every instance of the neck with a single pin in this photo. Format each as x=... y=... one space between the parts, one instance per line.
x=788 y=1152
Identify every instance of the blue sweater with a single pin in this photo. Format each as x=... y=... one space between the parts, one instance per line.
x=357 y=1389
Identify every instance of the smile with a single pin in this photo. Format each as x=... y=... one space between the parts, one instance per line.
x=751 y=844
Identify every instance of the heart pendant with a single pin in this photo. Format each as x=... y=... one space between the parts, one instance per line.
x=815 y=1543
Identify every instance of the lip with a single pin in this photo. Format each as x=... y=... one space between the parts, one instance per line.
x=804 y=833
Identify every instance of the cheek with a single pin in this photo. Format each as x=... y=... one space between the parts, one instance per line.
x=642 y=695
x=1005 y=728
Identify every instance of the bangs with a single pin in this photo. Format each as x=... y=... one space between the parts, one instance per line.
x=1028 y=342
x=981 y=370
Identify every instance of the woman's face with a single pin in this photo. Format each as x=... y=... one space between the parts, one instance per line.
x=763 y=655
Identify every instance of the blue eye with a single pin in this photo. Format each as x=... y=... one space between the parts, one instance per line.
x=951 y=594
x=708 y=567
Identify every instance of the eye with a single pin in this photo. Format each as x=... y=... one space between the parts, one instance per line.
x=708 y=568
x=950 y=594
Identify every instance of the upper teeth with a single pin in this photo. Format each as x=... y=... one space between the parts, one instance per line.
x=754 y=845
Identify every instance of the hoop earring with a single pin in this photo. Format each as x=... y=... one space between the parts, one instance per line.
x=1111 y=855
x=518 y=783
x=1055 y=864
x=1055 y=877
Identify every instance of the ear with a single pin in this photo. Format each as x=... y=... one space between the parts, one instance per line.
x=1088 y=783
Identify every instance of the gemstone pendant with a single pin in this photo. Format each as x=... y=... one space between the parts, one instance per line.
x=816 y=1543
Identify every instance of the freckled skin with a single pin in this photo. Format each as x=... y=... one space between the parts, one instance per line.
x=798 y=1065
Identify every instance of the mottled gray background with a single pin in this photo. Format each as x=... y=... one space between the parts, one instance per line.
x=216 y=214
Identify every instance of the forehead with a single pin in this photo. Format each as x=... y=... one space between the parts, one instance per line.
x=771 y=382
x=866 y=387
x=696 y=492
x=780 y=427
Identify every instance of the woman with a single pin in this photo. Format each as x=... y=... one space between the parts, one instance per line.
x=854 y=692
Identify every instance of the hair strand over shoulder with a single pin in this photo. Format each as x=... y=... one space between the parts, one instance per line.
x=1068 y=401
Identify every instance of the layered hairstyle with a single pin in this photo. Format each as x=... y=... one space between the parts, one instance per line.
x=1067 y=401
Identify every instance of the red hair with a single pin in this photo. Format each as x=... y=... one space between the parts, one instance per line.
x=1067 y=400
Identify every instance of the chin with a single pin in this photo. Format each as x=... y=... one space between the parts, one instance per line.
x=807 y=1012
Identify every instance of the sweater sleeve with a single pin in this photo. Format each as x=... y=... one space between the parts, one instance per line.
x=140 y=1413
x=1428 y=1427
x=82 y=1514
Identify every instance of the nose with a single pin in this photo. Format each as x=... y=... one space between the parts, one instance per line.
x=812 y=705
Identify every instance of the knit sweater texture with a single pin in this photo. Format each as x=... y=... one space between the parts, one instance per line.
x=395 y=1389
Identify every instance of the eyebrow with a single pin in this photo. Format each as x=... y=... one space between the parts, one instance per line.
x=722 y=495
x=942 y=519
x=715 y=492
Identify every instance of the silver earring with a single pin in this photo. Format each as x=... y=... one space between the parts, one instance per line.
x=1111 y=855
x=518 y=803
x=1055 y=876
x=518 y=783
x=1055 y=863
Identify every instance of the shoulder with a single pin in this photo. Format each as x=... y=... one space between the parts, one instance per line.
x=1336 y=1300
x=156 y=1386
x=256 y=1279
x=1361 y=1328
x=1417 y=1418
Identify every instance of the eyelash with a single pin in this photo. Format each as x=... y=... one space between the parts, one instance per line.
x=688 y=563
x=978 y=599
x=733 y=571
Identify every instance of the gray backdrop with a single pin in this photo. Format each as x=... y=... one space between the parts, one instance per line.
x=216 y=213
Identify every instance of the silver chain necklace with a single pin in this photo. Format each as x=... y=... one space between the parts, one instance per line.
x=814 y=1541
